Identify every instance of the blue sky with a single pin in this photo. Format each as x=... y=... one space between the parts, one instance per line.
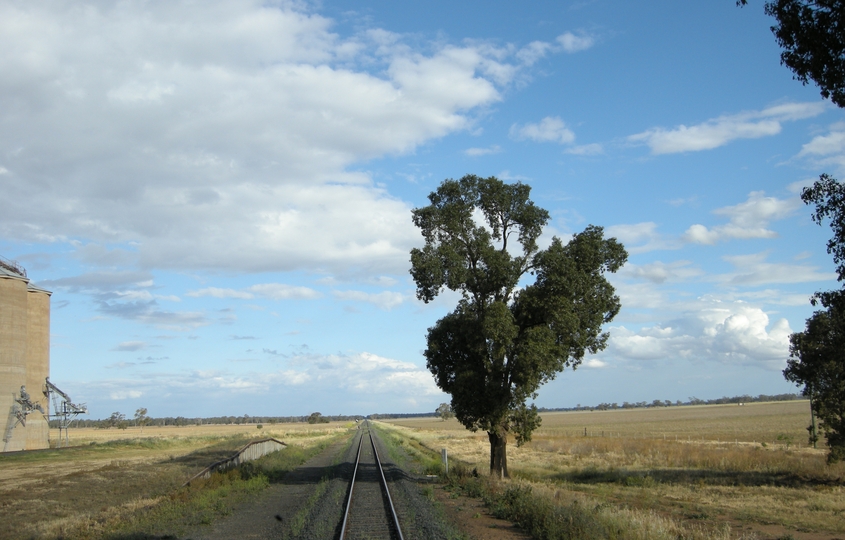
x=219 y=195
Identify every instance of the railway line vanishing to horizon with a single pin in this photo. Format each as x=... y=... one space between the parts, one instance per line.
x=369 y=510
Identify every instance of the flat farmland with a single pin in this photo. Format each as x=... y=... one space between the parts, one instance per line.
x=753 y=422
x=718 y=471
x=110 y=474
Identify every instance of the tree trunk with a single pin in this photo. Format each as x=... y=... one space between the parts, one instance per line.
x=498 y=453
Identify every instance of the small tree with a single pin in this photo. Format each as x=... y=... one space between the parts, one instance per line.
x=317 y=418
x=141 y=418
x=444 y=411
x=115 y=420
x=505 y=338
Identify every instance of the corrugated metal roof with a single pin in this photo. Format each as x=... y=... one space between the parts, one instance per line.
x=36 y=288
x=6 y=273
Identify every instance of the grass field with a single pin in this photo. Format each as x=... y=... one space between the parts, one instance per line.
x=111 y=478
x=720 y=471
x=704 y=472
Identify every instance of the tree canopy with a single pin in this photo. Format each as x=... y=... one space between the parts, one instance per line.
x=812 y=36
x=817 y=355
x=506 y=338
x=817 y=361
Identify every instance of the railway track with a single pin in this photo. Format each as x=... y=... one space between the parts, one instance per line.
x=369 y=509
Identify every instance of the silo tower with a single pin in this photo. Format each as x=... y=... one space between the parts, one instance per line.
x=24 y=360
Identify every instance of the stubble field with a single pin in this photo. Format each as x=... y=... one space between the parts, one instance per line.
x=723 y=471
x=109 y=478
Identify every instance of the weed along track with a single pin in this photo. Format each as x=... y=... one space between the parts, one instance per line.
x=369 y=508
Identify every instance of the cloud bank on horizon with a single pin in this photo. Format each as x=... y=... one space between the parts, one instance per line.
x=221 y=197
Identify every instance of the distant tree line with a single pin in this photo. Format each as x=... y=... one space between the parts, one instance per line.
x=118 y=420
x=110 y=422
x=678 y=403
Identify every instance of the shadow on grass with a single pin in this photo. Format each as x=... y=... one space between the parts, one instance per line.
x=707 y=477
x=142 y=536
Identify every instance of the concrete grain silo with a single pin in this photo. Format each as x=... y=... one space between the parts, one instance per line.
x=37 y=363
x=24 y=358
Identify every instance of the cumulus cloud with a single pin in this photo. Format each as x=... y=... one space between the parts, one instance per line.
x=729 y=332
x=223 y=138
x=747 y=220
x=719 y=131
x=549 y=129
x=359 y=376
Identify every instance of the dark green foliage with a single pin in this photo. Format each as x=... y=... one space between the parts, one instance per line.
x=317 y=418
x=818 y=362
x=829 y=197
x=503 y=341
x=817 y=355
x=812 y=36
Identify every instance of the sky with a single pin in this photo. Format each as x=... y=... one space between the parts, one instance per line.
x=219 y=193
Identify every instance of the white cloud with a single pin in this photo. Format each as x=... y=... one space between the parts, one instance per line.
x=281 y=291
x=125 y=394
x=233 y=126
x=384 y=300
x=273 y=291
x=660 y=272
x=753 y=270
x=314 y=379
x=475 y=152
x=572 y=43
x=216 y=292
x=719 y=131
x=641 y=237
x=594 y=363
x=827 y=150
x=549 y=129
x=532 y=52
x=747 y=220
x=733 y=333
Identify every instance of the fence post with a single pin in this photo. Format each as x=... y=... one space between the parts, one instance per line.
x=445 y=460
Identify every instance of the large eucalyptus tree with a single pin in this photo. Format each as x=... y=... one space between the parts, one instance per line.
x=507 y=337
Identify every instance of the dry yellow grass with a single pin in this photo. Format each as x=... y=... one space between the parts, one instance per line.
x=697 y=466
x=110 y=472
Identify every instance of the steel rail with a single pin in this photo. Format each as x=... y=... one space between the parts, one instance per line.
x=351 y=488
x=387 y=491
x=383 y=483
